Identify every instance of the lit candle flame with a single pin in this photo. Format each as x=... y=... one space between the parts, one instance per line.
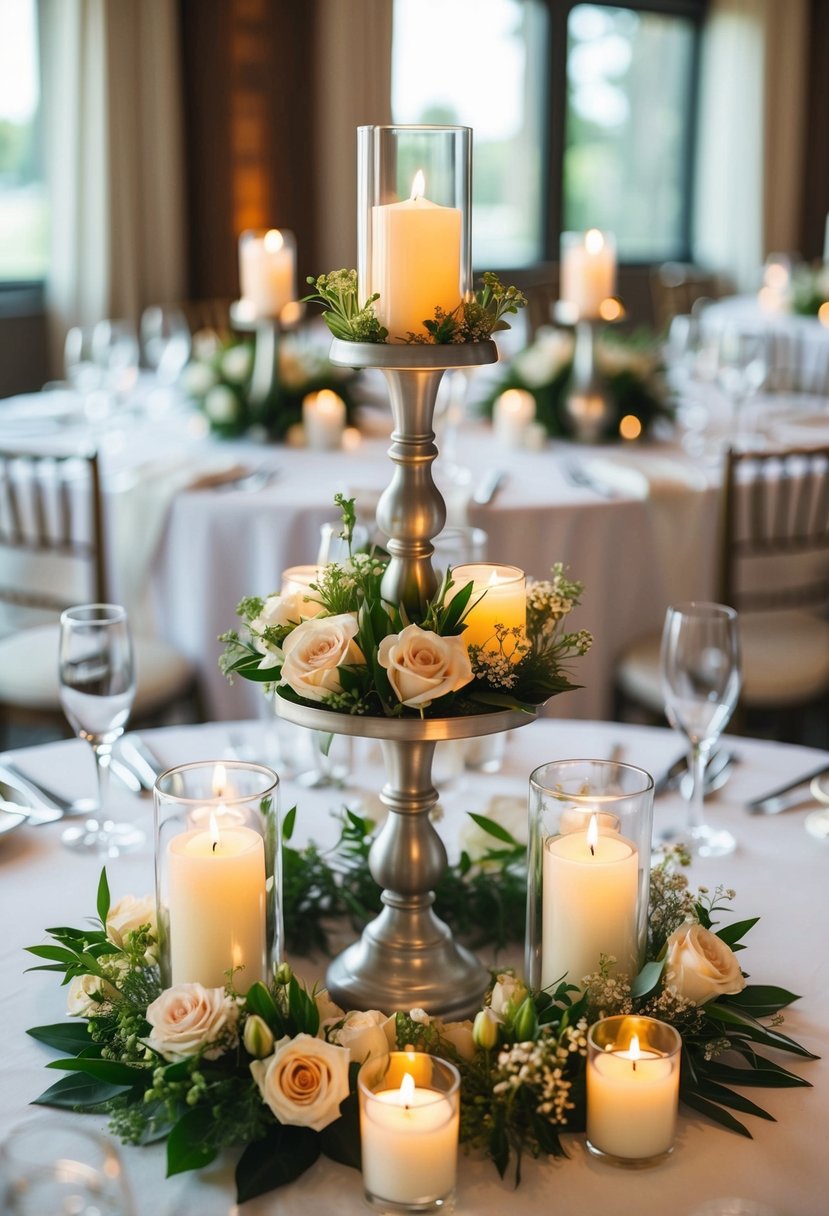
x=407 y=1088
x=593 y=834
x=274 y=240
x=634 y=1051
x=219 y=780
x=214 y=831
x=593 y=240
x=418 y=185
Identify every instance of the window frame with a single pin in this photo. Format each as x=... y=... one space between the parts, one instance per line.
x=558 y=15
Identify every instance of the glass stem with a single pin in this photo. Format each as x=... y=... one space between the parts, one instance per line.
x=696 y=817
x=103 y=755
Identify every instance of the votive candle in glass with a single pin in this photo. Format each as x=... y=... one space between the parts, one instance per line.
x=323 y=420
x=632 y=1089
x=409 y=1126
x=498 y=598
x=512 y=415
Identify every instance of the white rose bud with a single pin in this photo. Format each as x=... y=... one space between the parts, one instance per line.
x=187 y=1018
x=486 y=1029
x=315 y=651
x=424 y=666
x=304 y=1081
x=363 y=1034
x=221 y=404
x=129 y=914
x=257 y=1037
x=507 y=994
x=700 y=966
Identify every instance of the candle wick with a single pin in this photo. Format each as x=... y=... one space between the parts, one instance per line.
x=592 y=851
x=634 y=1065
x=215 y=842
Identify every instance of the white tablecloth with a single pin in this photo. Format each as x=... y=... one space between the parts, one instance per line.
x=779 y=873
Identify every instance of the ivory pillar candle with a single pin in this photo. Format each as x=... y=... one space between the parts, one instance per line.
x=589 y=902
x=267 y=269
x=217 y=906
x=409 y=1139
x=632 y=1088
x=415 y=262
x=588 y=271
x=323 y=420
x=498 y=598
x=513 y=413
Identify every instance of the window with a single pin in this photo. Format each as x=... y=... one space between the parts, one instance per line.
x=582 y=113
x=23 y=215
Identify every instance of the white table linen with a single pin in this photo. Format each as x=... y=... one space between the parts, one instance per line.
x=779 y=873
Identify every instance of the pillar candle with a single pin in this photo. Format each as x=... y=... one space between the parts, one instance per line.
x=588 y=271
x=589 y=897
x=513 y=413
x=267 y=267
x=217 y=906
x=409 y=1143
x=415 y=261
x=323 y=420
x=498 y=598
x=632 y=1098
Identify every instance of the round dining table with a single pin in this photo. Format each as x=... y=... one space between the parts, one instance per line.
x=778 y=872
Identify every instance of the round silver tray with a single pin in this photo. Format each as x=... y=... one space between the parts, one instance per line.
x=402 y=729
x=404 y=356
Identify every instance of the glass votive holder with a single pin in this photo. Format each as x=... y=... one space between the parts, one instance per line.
x=413 y=222
x=218 y=873
x=409 y=1126
x=632 y=1089
x=267 y=272
x=498 y=599
x=590 y=828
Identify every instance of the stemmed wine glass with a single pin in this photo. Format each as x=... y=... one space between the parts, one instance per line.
x=97 y=688
x=700 y=666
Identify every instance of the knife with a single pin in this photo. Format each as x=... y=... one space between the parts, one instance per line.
x=788 y=796
x=671 y=777
x=488 y=487
x=137 y=756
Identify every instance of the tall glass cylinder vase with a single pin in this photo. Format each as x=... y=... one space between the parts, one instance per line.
x=413 y=222
x=589 y=869
x=218 y=873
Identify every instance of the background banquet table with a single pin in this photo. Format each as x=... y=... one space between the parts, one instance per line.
x=779 y=873
x=644 y=538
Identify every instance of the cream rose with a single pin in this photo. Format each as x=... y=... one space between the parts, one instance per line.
x=459 y=1034
x=507 y=994
x=304 y=1081
x=327 y=1010
x=279 y=611
x=129 y=914
x=700 y=966
x=315 y=650
x=363 y=1034
x=423 y=666
x=187 y=1018
x=87 y=994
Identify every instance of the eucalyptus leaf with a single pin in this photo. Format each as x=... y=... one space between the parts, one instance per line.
x=648 y=978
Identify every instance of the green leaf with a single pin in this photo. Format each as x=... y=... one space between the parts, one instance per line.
x=726 y=1097
x=187 y=1145
x=302 y=1008
x=288 y=823
x=728 y=1016
x=647 y=979
x=64 y=1036
x=58 y=954
x=78 y=1092
x=341 y=1139
x=259 y=1000
x=103 y=900
x=493 y=828
x=733 y=933
x=280 y=1157
x=763 y=1000
x=772 y=1077
x=714 y=1112
x=112 y=1071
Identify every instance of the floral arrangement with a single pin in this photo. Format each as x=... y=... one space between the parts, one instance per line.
x=273 y=1069
x=474 y=320
x=809 y=289
x=631 y=368
x=218 y=381
x=343 y=648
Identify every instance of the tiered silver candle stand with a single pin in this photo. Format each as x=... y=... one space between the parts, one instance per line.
x=407 y=957
x=267 y=332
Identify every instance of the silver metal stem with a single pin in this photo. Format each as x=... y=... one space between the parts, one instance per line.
x=587 y=404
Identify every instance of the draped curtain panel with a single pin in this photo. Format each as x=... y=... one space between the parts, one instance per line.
x=113 y=142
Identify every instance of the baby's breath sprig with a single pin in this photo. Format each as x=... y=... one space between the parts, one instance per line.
x=344 y=315
x=475 y=319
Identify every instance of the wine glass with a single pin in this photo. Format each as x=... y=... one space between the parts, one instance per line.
x=165 y=342
x=97 y=688
x=50 y=1165
x=742 y=371
x=700 y=667
x=115 y=350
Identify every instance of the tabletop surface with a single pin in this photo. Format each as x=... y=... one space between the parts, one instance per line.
x=779 y=873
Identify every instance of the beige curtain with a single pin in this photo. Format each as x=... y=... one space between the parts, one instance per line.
x=751 y=134
x=113 y=139
x=353 y=85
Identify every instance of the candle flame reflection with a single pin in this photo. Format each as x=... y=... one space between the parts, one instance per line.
x=219 y=780
x=593 y=833
x=418 y=185
x=407 y=1088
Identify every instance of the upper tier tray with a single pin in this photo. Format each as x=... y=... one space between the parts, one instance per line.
x=405 y=356
x=401 y=729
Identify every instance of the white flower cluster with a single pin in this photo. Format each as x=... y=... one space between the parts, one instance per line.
x=541 y=1065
